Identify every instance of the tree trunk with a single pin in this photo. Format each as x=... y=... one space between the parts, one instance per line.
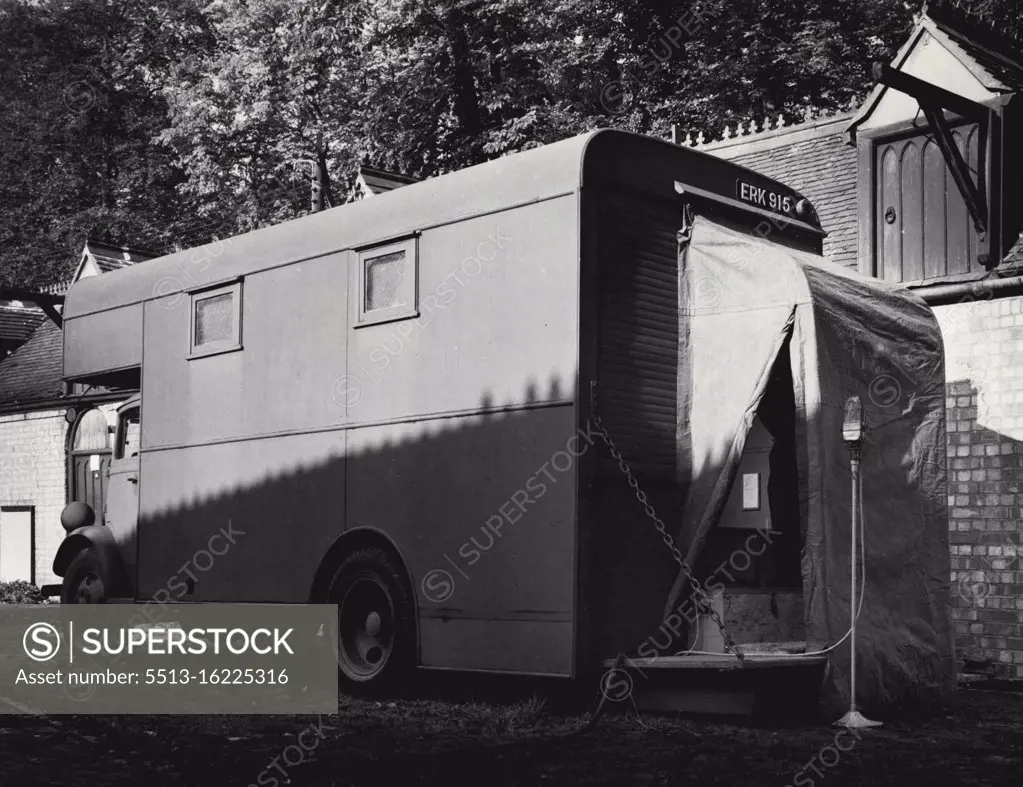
x=467 y=105
x=322 y=175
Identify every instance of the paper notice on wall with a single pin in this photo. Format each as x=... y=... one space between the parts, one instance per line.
x=94 y=462
x=750 y=491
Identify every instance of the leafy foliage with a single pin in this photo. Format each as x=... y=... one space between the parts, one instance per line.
x=167 y=123
x=20 y=592
x=80 y=104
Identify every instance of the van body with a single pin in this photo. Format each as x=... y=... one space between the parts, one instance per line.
x=418 y=373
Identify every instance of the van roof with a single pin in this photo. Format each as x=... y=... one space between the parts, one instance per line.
x=519 y=179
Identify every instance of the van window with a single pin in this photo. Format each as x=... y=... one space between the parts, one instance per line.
x=388 y=285
x=383 y=280
x=129 y=434
x=213 y=319
x=216 y=321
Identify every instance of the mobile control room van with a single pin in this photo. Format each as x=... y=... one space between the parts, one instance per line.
x=389 y=405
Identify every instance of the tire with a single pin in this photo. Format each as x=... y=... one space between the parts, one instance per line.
x=86 y=580
x=376 y=635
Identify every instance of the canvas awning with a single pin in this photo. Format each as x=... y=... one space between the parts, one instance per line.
x=743 y=301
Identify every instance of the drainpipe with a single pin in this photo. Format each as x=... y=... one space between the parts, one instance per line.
x=961 y=292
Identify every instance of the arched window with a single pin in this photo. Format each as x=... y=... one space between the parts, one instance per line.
x=92 y=433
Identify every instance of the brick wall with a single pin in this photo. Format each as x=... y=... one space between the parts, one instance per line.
x=815 y=159
x=984 y=373
x=33 y=473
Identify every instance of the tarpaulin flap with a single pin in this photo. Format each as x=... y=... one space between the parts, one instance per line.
x=881 y=343
x=737 y=307
x=742 y=298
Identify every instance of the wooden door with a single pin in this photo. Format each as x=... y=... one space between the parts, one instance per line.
x=924 y=229
x=90 y=474
x=89 y=461
x=122 y=494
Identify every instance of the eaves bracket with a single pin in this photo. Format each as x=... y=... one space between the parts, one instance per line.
x=934 y=101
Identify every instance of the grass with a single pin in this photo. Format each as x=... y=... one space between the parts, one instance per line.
x=501 y=722
x=524 y=741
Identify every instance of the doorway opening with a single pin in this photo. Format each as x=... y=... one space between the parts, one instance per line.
x=754 y=552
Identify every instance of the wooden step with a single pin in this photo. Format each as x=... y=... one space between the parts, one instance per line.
x=769 y=682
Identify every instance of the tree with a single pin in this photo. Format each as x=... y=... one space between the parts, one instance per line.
x=1003 y=17
x=174 y=121
x=79 y=111
x=272 y=101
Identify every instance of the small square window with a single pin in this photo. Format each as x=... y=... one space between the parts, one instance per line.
x=216 y=321
x=213 y=318
x=384 y=275
x=387 y=282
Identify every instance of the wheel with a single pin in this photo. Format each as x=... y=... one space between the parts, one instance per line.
x=84 y=580
x=376 y=618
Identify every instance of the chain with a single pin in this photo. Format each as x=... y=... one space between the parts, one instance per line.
x=702 y=600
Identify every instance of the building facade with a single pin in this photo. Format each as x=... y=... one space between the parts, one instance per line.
x=895 y=204
x=54 y=442
x=890 y=201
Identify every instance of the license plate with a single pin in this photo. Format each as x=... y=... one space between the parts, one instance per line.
x=764 y=198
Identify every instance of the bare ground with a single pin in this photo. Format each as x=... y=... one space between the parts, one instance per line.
x=977 y=740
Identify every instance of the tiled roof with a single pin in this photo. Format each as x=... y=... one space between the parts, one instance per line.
x=18 y=322
x=1001 y=56
x=814 y=159
x=1015 y=256
x=378 y=181
x=108 y=257
x=32 y=373
x=1005 y=72
x=106 y=264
